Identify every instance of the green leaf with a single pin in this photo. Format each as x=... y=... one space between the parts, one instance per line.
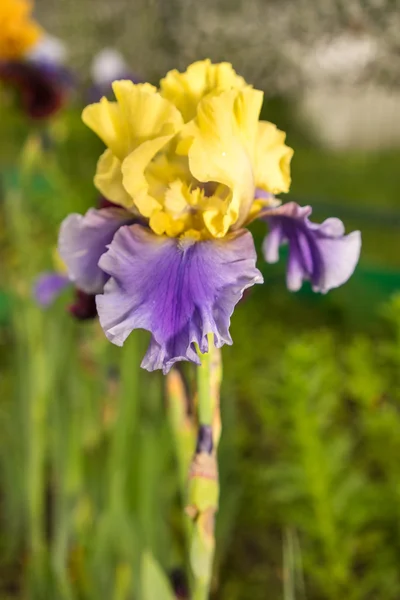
x=154 y=582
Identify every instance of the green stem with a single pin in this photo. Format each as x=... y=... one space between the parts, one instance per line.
x=201 y=591
x=205 y=399
x=203 y=480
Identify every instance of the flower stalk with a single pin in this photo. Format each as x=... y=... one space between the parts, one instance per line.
x=203 y=489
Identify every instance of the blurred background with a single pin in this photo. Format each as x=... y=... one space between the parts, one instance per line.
x=91 y=497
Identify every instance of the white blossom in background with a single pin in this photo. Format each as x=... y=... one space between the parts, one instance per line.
x=108 y=65
x=363 y=117
x=344 y=57
x=49 y=49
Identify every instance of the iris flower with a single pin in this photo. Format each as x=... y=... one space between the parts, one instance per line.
x=190 y=165
x=50 y=284
x=43 y=83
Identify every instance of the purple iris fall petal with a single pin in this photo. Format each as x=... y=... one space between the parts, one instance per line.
x=179 y=290
x=48 y=287
x=321 y=254
x=82 y=241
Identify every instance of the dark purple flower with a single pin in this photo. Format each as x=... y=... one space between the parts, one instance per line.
x=179 y=290
x=321 y=254
x=82 y=241
x=48 y=287
x=179 y=584
x=84 y=306
x=102 y=202
x=43 y=87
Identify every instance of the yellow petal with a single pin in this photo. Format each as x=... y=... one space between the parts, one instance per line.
x=166 y=167
x=108 y=180
x=223 y=146
x=144 y=112
x=147 y=205
x=133 y=172
x=216 y=222
x=105 y=120
x=186 y=89
x=272 y=160
x=139 y=114
x=175 y=199
x=159 y=222
x=175 y=227
x=135 y=128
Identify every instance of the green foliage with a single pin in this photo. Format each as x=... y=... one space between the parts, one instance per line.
x=319 y=442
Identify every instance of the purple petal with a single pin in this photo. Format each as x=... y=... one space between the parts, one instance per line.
x=321 y=253
x=48 y=287
x=179 y=290
x=260 y=194
x=83 y=239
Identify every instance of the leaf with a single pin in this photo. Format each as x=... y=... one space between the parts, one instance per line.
x=154 y=582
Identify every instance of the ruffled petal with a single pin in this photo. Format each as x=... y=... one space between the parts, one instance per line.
x=179 y=290
x=272 y=159
x=221 y=149
x=135 y=129
x=133 y=174
x=48 y=287
x=140 y=114
x=108 y=180
x=321 y=254
x=83 y=239
x=105 y=120
x=186 y=89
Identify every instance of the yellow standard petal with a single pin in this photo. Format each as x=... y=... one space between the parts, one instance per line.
x=272 y=159
x=133 y=174
x=185 y=90
x=18 y=31
x=137 y=126
x=222 y=150
x=108 y=179
x=104 y=118
x=139 y=114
